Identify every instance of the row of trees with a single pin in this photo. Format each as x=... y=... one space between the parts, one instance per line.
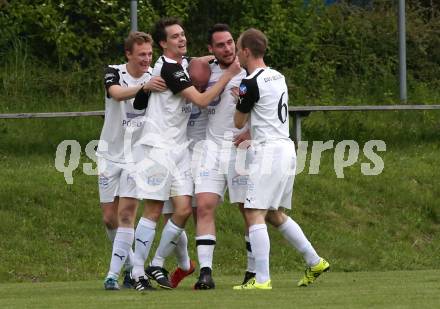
x=316 y=45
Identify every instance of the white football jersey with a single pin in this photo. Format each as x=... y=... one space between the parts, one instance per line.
x=196 y=129
x=221 y=110
x=264 y=94
x=168 y=112
x=123 y=123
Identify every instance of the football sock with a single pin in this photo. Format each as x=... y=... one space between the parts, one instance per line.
x=205 y=249
x=121 y=248
x=181 y=252
x=128 y=265
x=144 y=236
x=260 y=244
x=250 y=256
x=111 y=233
x=295 y=236
x=167 y=244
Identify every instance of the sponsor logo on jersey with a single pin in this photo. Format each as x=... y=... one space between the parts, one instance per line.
x=240 y=180
x=186 y=109
x=133 y=123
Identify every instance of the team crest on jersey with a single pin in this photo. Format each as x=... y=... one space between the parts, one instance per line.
x=242 y=90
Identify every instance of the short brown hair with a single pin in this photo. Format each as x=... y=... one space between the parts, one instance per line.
x=159 y=32
x=255 y=40
x=136 y=37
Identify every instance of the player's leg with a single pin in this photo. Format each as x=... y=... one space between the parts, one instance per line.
x=108 y=180
x=168 y=241
x=185 y=265
x=110 y=220
x=250 y=266
x=207 y=203
x=122 y=245
x=293 y=233
x=181 y=249
x=259 y=239
x=144 y=236
x=288 y=227
x=238 y=179
x=108 y=184
x=209 y=188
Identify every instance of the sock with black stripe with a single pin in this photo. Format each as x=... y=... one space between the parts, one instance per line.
x=205 y=249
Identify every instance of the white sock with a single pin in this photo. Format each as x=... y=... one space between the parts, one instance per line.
x=111 y=233
x=260 y=244
x=168 y=243
x=205 y=249
x=250 y=256
x=144 y=236
x=121 y=248
x=181 y=252
x=128 y=265
x=295 y=236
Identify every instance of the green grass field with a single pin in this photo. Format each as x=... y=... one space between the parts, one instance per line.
x=380 y=233
x=398 y=289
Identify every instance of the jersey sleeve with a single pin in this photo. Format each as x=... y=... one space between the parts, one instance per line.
x=248 y=95
x=111 y=77
x=175 y=77
x=141 y=99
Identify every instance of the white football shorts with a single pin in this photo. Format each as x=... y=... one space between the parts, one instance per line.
x=272 y=176
x=114 y=180
x=164 y=173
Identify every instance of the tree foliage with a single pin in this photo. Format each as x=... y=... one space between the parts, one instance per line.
x=320 y=48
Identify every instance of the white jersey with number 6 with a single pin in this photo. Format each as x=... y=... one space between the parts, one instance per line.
x=264 y=94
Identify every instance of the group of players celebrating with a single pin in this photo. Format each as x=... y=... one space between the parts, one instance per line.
x=188 y=128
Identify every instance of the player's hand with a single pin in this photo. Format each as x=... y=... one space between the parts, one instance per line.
x=245 y=136
x=234 y=68
x=156 y=83
x=235 y=92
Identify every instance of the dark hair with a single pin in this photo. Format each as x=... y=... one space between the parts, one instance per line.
x=217 y=28
x=159 y=33
x=136 y=37
x=255 y=40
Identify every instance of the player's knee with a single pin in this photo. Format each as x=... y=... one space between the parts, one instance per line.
x=205 y=211
x=183 y=212
x=110 y=220
x=126 y=217
x=276 y=218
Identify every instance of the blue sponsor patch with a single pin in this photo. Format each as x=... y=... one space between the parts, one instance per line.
x=242 y=90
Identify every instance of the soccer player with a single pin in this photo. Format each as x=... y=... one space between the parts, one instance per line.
x=199 y=72
x=217 y=169
x=165 y=170
x=263 y=101
x=117 y=193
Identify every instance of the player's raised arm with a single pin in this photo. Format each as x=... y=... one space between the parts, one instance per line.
x=203 y=99
x=114 y=88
